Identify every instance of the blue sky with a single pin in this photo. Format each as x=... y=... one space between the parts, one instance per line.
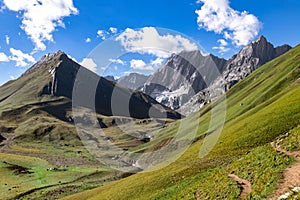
x=32 y=28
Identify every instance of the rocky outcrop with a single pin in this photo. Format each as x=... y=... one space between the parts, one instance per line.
x=236 y=69
x=247 y=60
x=183 y=76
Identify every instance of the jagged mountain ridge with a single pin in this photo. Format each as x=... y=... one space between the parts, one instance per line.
x=189 y=80
x=55 y=76
x=248 y=59
x=236 y=69
x=182 y=76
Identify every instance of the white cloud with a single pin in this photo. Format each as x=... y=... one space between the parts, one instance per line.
x=223 y=42
x=7 y=39
x=219 y=17
x=102 y=34
x=3 y=57
x=89 y=64
x=140 y=65
x=222 y=47
x=148 y=41
x=40 y=18
x=113 y=30
x=88 y=40
x=158 y=62
x=12 y=78
x=117 y=61
x=21 y=59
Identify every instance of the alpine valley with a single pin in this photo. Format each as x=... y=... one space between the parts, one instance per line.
x=42 y=155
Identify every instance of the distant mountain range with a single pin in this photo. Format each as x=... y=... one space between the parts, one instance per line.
x=185 y=82
x=190 y=80
x=54 y=76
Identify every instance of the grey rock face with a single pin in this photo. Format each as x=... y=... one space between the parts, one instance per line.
x=237 y=68
x=183 y=76
x=133 y=81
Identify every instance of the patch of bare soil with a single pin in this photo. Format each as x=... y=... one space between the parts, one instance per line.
x=19 y=169
x=291 y=175
x=244 y=185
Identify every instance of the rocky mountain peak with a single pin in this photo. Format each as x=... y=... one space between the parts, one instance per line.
x=182 y=76
x=261 y=39
x=47 y=60
x=236 y=69
x=62 y=70
x=282 y=49
x=260 y=49
x=254 y=55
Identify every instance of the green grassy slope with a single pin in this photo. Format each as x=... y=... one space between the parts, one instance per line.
x=26 y=89
x=262 y=107
x=37 y=128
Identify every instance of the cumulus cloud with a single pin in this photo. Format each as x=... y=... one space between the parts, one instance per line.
x=89 y=64
x=21 y=59
x=223 y=42
x=157 y=62
x=40 y=18
x=3 y=57
x=7 y=39
x=222 y=46
x=219 y=17
x=148 y=41
x=88 y=40
x=117 y=61
x=140 y=65
x=102 y=34
x=113 y=30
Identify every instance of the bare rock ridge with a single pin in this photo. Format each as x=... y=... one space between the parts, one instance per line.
x=182 y=76
x=186 y=81
x=60 y=77
x=189 y=80
x=236 y=69
x=246 y=61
